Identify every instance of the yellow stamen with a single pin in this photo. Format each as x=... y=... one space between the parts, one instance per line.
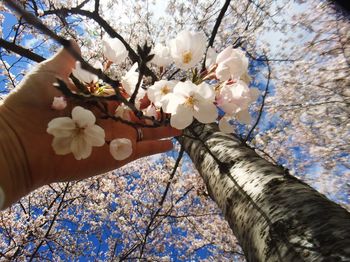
x=165 y=90
x=190 y=101
x=186 y=57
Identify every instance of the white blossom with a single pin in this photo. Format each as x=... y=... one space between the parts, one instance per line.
x=123 y=112
x=59 y=103
x=114 y=49
x=189 y=100
x=158 y=90
x=120 y=148
x=187 y=48
x=161 y=55
x=129 y=81
x=76 y=135
x=232 y=63
x=236 y=97
x=84 y=75
x=211 y=57
x=224 y=125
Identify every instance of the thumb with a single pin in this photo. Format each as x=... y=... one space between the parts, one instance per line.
x=62 y=62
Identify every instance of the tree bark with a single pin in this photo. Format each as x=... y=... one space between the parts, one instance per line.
x=275 y=216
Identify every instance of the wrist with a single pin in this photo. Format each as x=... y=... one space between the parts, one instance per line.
x=14 y=171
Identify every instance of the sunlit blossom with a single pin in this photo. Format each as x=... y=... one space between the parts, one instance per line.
x=114 y=49
x=236 y=97
x=59 y=103
x=187 y=48
x=84 y=75
x=123 y=112
x=189 y=100
x=158 y=90
x=120 y=148
x=232 y=63
x=161 y=55
x=129 y=80
x=211 y=57
x=76 y=135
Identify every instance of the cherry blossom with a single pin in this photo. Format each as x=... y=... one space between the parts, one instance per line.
x=59 y=103
x=236 y=97
x=211 y=57
x=189 y=100
x=187 y=48
x=232 y=63
x=76 y=135
x=158 y=90
x=161 y=55
x=123 y=112
x=114 y=50
x=129 y=80
x=85 y=76
x=120 y=148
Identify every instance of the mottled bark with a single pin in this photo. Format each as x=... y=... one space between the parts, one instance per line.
x=274 y=216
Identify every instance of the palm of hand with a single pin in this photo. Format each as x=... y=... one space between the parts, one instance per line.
x=28 y=110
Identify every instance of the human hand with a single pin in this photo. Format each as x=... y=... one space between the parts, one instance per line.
x=27 y=112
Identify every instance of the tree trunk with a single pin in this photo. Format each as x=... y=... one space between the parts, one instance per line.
x=275 y=216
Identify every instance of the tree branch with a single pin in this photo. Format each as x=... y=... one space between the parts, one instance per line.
x=12 y=47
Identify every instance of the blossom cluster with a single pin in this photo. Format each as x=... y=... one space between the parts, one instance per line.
x=222 y=85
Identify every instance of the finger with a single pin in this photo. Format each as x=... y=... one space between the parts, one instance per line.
x=147 y=148
x=159 y=132
x=62 y=62
x=115 y=129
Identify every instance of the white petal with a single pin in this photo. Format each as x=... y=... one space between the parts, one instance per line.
x=205 y=112
x=182 y=118
x=185 y=89
x=244 y=117
x=80 y=148
x=223 y=72
x=120 y=148
x=211 y=57
x=223 y=55
x=61 y=145
x=206 y=91
x=170 y=102
x=225 y=126
x=161 y=55
x=84 y=75
x=59 y=103
x=114 y=49
x=129 y=81
x=83 y=117
x=95 y=135
x=61 y=127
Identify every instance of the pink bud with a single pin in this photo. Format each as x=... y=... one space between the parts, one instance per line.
x=59 y=103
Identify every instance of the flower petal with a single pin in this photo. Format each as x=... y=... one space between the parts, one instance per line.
x=95 y=135
x=61 y=145
x=205 y=112
x=206 y=91
x=182 y=118
x=223 y=72
x=244 y=117
x=170 y=102
x=83 y=117
x=225 y=126
x=120 y=148
x=80 y=148
x=114 y=49
x=61 y=127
